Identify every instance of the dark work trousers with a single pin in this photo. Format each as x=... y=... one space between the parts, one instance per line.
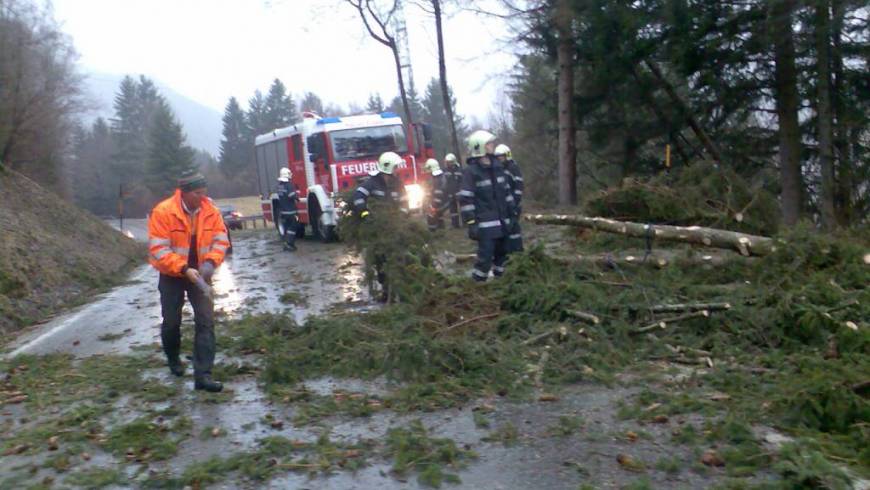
x=172 y=291
x=290 y=226
x=515 y=238
x=454 y=212
x=491 y=253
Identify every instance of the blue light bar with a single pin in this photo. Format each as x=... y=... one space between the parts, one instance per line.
x=388 y=114
x=328 y=120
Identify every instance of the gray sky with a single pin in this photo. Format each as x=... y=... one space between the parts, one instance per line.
x=209 y=50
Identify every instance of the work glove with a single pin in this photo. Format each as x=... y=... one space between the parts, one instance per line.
x=207 y=271
x=363 y=215
x=472 y=230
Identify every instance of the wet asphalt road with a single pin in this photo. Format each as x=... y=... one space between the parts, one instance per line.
x=253 y=280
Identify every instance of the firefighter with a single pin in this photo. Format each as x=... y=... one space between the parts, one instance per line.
x=453 y=176
x=381 y=184
x=515 y=177
x=487 y=205
x=438 y=201
x=187 y=241
x=287 y=198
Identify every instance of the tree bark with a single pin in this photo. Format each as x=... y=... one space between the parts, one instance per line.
x=787 y=106
x=702 y=135
x=567 y=147
x=843 y=171
x=743 y=243
x=824 y=113
x=442 y=74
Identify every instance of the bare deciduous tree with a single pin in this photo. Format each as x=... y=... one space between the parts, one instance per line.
x=371 y=16
x=39 y=90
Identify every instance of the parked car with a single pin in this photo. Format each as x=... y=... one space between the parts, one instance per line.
x=232 y=218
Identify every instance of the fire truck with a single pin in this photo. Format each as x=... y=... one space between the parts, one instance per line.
x=329 y=156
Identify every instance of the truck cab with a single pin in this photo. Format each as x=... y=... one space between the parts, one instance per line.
x=328 y=156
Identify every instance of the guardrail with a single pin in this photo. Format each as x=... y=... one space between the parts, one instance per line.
x=253 y=220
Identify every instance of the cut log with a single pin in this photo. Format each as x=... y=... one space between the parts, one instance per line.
x=690 y=307
x=711 y=237
x=661 y=324
x=583 y=316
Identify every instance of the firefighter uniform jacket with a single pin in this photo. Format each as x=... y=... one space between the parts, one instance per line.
x=453 y=176
x=486 y=198
x=516 y=180
x=440 y=196
x=170 y=234
x=287 y=198
x=377 y=186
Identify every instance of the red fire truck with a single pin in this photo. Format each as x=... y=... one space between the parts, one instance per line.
x=329 y=156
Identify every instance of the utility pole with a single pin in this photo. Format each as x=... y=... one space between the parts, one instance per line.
x=400 y=35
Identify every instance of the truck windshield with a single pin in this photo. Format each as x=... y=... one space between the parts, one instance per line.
x=351 y=144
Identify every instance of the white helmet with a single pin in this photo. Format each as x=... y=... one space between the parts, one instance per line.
x=432 y=166
x=284 y=175
x=450 y=158
x=388 y=162
x=477 y=143
x=503 y=150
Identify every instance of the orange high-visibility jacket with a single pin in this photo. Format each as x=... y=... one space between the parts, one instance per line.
x=169 y=234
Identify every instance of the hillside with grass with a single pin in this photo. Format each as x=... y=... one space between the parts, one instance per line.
x=53 y=254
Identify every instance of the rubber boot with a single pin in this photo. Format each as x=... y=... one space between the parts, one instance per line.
x=206 y=383
x=176 y=367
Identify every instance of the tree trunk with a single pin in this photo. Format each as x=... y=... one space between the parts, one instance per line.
x=401 y=80
x=824 y=113
x=567 y=148
x=787 y=106
x=731 y=240
x=843 y=170
x=702 y=135
x=442 y=75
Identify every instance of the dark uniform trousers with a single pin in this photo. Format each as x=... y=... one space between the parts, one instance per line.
x=454 y=211
x=491 y=253
x=172 y=291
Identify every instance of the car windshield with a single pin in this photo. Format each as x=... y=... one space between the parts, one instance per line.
x=351 y=144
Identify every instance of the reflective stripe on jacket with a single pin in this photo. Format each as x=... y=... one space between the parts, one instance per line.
x=376 y=186
x=439 y=199
x=517 y=184
x=486 y=197
x=453 y=175
x=169 y=234
x=287 y=198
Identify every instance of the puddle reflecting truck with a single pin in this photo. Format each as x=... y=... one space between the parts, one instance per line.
x=329 y=156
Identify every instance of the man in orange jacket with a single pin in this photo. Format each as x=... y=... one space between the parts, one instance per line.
x=187 y=240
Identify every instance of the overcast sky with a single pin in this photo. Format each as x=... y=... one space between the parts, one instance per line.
x=209 y=50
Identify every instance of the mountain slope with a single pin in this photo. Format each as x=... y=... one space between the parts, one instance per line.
x=202 y=124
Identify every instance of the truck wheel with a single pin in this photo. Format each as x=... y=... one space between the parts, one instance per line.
x=323 y=232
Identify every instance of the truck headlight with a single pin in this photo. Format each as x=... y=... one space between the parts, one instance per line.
x=415 y=196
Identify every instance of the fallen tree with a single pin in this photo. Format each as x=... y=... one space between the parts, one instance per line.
x=743 y=243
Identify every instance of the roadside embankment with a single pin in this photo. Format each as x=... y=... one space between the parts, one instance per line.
x=53 y=254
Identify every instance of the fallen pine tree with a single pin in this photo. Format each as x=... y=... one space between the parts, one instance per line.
x=743 y=243
x=549 y=322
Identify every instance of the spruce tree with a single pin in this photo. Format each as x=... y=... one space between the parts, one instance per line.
x=436 y=115
x=168 y=153
x=235 y=147
x=311 y=103
x=375 y=103
x=255 y=117
x=279 y=110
